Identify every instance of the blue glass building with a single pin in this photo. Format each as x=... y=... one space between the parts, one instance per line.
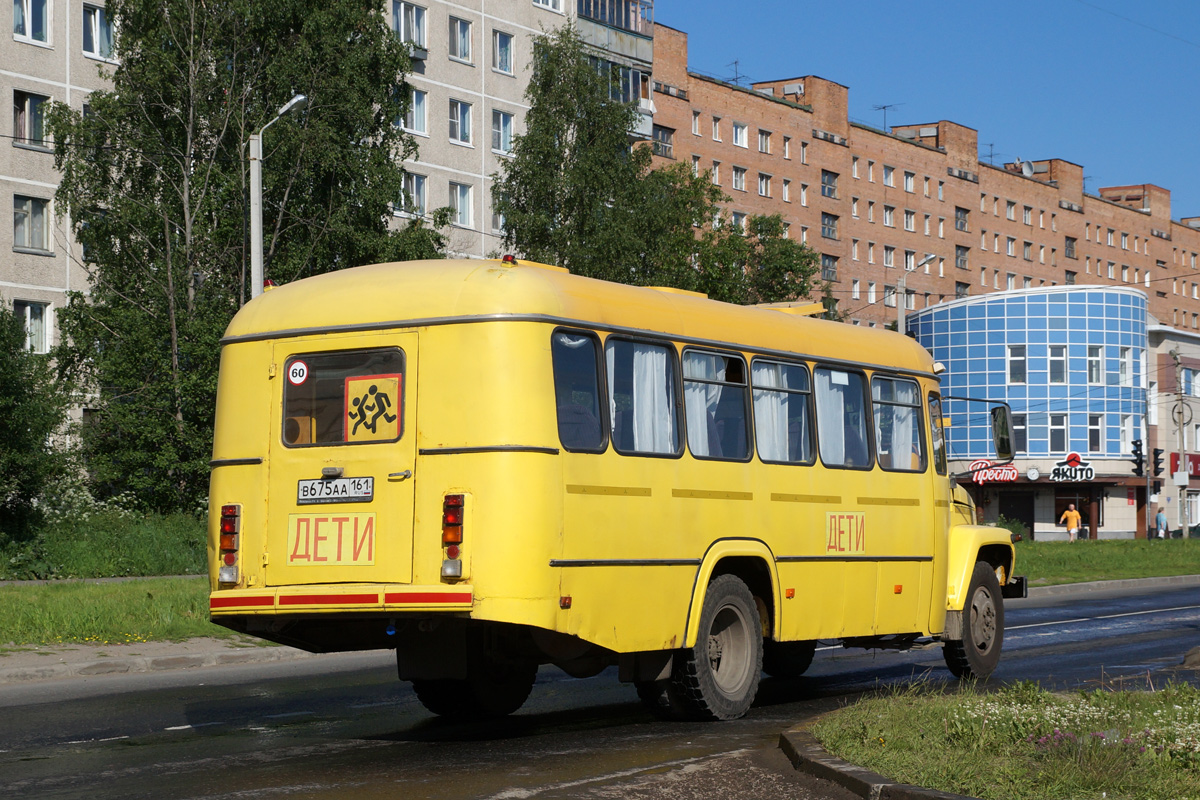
x=1071 y=362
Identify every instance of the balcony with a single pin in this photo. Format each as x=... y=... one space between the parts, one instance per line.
x=635 y=16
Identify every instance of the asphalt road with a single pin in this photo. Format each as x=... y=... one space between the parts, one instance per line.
x=346 y=727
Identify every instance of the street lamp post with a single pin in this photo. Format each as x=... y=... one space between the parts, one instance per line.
x=297 y=103
x=902 y=291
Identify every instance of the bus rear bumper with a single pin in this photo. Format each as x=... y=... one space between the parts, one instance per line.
x=339 y=598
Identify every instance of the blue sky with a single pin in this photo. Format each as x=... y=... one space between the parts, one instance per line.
x=1107 y=84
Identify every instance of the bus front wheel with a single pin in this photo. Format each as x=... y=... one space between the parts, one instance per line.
x=978 y=653
x=718 y=677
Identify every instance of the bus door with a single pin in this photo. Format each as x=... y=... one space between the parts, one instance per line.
x=342 y=461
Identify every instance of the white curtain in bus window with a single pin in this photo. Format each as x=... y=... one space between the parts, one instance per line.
x=841 y=421
x=781 y=419
x=714 y=398
x=577 y=392
x=349 y=397
x=641 y=397
x=898 y=440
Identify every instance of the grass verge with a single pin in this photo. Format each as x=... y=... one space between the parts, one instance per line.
x=157 y=609
x=1049 y=563
x=1024 y=743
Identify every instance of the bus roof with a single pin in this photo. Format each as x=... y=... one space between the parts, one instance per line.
x=418 y=293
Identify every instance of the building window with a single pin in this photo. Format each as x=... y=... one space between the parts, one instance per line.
x=502 y=124
x=889 y=216
x=31 y=224
x=855 y=291
x=552 y=5
x=1020 y=434
x=829 y=184
x=910 y=260
x=787 y=191
x=1069 y=277
x=829 y=226
x=739 y=179
x=696 y=123
x=716 y=173
x=716 y=128
x=889 y=296
x=31 y=20
x=764 y=141
x=1058 y=433
x=415 y=119
x=1069 y=248
x=33 y=317
x=1095 y=433
x=804 y=152
x=1058 y=362
x=1027 y=251
x=502 y=52
x=739 y=135
x=1016 y=363
x=739 y=220
x=961 y=219
x=1011 y=247
x=663 y=141
x=787 y=147
x=764 y=185
x=961 y=289
x=889 y=256
x=888 y=176
x=829 y=265
x=460 y=122
x=460 y=204
x=29 y=119
x=871 y=292
x=97 y=32
x=460 y=39
x=695 y=166
x=910 y=220
x=414 y=194
x=909 y=179
x=1126 y=367
x=408 y=21
x=1011 y=211
x=1027 y=215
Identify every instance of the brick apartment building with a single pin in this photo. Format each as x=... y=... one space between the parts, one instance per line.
x=873 y=202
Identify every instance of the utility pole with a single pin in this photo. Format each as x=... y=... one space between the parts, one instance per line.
x=1180 y=423
x=902 y=291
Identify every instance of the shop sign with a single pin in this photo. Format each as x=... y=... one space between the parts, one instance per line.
x=983 y=471
x=1072 y=469
x=1193 y=464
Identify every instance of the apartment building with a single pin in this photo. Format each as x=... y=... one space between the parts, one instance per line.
x=916 y=199
x=53 y=54
x=472 y=63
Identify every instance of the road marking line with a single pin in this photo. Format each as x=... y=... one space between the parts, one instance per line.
x=192 y=727
x=523 y=794
x=97 y=741
x=1104 y=616
x=290 y=714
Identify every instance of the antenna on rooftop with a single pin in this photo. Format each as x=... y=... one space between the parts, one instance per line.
x=737 y=76
x=1027 y=169
x=884 y=108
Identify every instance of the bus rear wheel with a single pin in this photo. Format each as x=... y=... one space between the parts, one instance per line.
x=978 y=653
x=787 y=659
x=718 y=678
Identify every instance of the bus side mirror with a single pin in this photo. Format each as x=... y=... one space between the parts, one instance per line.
x=1002 y=432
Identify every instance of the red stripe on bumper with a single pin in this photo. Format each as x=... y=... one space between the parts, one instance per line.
x=244 y=602
x=327 y=599
x=427 y=597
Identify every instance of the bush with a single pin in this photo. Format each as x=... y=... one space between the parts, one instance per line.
x=1014 y=526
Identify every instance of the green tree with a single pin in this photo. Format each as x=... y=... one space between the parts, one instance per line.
x=33 y=410
x=577 y=195
x=155 y=179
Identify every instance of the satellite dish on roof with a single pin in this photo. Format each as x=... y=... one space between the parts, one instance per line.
x=1027 y=169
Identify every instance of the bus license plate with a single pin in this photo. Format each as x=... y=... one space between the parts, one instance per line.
x=335 y=490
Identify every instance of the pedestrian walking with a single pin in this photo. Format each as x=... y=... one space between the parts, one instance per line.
x=1071 y=517
x=1160 y=524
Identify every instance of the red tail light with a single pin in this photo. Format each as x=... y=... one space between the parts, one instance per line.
x=230 y=525
x=453 y=508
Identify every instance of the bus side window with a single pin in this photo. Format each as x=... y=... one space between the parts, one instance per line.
x=899 y=440
x=782 y=415
x=938 y=432
x=642 y=398
x=714 y=397
x=841 y=419
x=577 y=391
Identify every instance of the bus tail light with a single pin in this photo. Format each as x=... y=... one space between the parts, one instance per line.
x=453 y=506
x=230 y=526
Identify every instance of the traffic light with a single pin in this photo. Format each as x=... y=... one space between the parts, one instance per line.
x=1139 y=462
x=1158 y=461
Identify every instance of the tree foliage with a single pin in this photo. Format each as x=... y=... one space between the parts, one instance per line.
x=155 y=178
x=33 y=409
x=577 y=195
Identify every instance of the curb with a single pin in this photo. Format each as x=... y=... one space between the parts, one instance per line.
x=1104 y=586
x=142 y=664
x=808 y=756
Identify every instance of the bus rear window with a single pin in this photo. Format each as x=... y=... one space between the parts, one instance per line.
x=350 y=397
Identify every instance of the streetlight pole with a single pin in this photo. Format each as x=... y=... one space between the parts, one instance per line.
x=902 y=291
x=297 y=103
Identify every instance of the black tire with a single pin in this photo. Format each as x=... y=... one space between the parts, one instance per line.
x=978 y=654
x=493 y=688
x=718 y=678
x=787 y=659
x=653 y=695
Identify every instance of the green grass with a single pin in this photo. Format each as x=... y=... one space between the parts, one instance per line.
x=1023 y=743
x=1048 y=563
x=157 y=609
x=108 y=544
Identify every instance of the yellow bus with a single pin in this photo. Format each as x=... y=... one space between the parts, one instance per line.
x=492 y=465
